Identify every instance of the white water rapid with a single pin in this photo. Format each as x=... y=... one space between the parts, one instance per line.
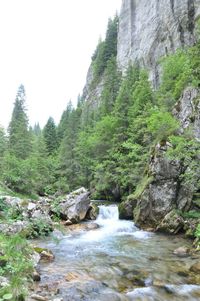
x=110 y=226
x=113 y=260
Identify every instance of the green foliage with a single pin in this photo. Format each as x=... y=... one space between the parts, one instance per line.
x=18 y=266
x=145 y=181
x=112 y=81
x=50 y=136
x=197 y=234
x=38 y=228
x=162 y=125
x=19 y=138
x=105 y=50
x=187 y=150
x=3 y=144
x=19 y=174
x=179 y=70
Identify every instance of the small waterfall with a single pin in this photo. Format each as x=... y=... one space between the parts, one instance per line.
x=108 y=220
x=111 y=226
x=108 y=212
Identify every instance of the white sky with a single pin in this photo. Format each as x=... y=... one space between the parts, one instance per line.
x=47 y=46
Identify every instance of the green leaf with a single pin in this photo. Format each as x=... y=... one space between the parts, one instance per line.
x=7 y=297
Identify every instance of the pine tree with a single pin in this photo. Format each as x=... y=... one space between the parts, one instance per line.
x=50 y=136
x=19 y=138
x=64 y=121
x=112 y=81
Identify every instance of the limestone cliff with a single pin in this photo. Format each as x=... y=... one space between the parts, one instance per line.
x=150 y=29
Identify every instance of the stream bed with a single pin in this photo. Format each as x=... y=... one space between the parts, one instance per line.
x=116 y=261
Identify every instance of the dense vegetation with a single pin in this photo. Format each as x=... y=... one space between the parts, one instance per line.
x=105 y=149
x=108 y=149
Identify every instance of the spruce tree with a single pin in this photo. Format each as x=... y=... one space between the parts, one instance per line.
x=50 y=136
x=19 y=138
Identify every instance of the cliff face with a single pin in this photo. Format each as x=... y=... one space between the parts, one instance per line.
x=149 y=30
x=167 y=193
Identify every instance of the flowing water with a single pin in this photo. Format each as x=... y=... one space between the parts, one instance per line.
x=117 y=261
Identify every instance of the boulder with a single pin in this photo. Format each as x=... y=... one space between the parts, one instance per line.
x=45 y=254
x=172 y=223
x=92 y=212
x=75 y=206
x=195 y=267
x=181 y=252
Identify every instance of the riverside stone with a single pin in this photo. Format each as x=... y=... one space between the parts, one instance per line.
x=195 y=267
x=74 y=206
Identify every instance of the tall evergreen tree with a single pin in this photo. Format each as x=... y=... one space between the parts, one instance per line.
x=50 y=136
x=64 y=121
x=19 y=138
x=112 y=81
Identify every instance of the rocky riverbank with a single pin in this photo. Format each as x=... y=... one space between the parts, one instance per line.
x=27 y=219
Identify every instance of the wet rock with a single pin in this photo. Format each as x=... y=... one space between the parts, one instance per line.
x=89 y=290
x=35 y=258
x=92 y=212
x=195 y=267
x=182 y=252
x=92 y=226
x=36 y=276
x=138 y=278
x=153 y=258
x=183 y=273
x=38 y=298
x=67 y=223
x=45 y=254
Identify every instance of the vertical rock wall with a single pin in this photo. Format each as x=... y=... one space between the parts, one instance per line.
x=150 y=29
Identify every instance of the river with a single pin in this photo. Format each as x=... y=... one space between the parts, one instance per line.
x=117 y=261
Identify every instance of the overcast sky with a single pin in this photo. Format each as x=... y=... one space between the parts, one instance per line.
x=47 y=46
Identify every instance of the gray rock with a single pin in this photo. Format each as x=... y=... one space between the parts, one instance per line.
x=75 y=206
x=126 y=208
x=181 y=252
x=14 y=228
x=187 y=111
x=163 y=168
x=166 y=25
x=172 y=223
x=4 y=282
x=35 y=258
x=195 y=267
x=31 y=206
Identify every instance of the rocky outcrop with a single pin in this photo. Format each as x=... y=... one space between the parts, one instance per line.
x=149 y=30
x=92 y=95
x=34 y=218
x=167 y=193
x=160 y=196
x=187 y=111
